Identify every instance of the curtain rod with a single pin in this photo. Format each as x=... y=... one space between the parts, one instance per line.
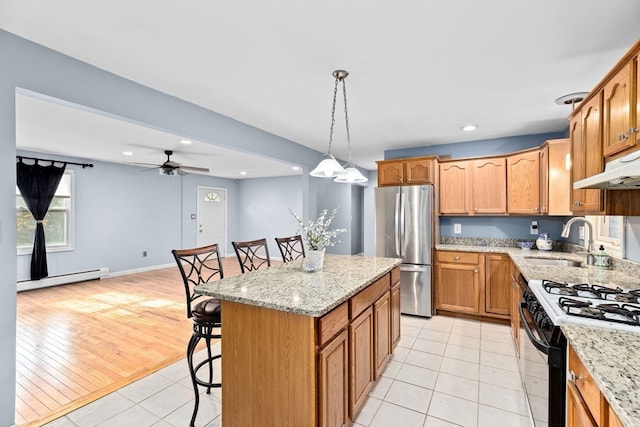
x=84 y=165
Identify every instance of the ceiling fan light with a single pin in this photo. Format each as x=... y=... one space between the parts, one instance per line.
x=352 y=176
x=328 y=168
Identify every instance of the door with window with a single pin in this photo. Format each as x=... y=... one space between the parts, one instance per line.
x=212 y=218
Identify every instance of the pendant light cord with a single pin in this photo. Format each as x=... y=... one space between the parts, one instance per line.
x=333 y=114
x=340 y=78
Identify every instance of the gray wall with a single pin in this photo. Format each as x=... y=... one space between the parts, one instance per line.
x=34 y=69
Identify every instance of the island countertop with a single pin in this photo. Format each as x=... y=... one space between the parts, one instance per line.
x=288 y=288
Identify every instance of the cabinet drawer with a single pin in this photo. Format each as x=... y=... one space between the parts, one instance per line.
x=369 y=295
x=586 y=386
x=332 y=323
x=459 y=257
x=395 y=276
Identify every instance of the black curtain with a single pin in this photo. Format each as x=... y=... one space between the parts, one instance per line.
x=37 y=185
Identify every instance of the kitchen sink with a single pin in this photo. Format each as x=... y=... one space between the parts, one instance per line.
x=553 y=262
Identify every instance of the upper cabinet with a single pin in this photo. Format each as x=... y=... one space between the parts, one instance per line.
x=473 y=187
x=585 y=131
x=523 y=183
x=556 y=188
x=620 y=125
x=412 y=171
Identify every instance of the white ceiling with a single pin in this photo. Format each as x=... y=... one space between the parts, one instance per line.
x=419 y=70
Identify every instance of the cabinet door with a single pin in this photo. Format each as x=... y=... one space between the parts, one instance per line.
x=617 y=114
x=390 y=172
x=419 y=172
x=382 y=332
x=334 y=381
x=578 y=414
x=454 y=188
x=497 y=285
x=458 y=287
x=559 y=185
x=360 y=360
x=523 y=183
x=395 y=315
x=489 y=186
x=592 y=146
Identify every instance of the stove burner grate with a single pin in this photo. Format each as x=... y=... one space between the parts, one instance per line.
x=620 y=313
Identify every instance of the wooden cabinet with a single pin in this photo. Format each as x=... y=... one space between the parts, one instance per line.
x=334 y=382
x=458 y=282
x=586 y=405
x=619 y=111
x=411 y=171
x=473 y=283
x=586 y=153
x=395 y=315
x=544 y=179
x=497 y=284
x=523 y=183
x=557 y=184
x=473 y=187
x=360 y=360
x=382 y=332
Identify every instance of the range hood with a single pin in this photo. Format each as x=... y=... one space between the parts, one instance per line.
x=619 y=174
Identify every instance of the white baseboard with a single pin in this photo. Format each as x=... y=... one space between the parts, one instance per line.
x=63 y=279
x=141 y=270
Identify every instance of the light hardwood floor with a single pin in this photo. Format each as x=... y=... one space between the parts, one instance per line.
x=79 y=342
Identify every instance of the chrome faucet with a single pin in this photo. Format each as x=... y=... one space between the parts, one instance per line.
x=589 y=243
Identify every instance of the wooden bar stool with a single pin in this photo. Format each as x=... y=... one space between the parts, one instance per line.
x=197 y=266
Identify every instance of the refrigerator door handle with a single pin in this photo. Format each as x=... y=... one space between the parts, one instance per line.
x=402 y=236
x=397 y=224
x=413 y=268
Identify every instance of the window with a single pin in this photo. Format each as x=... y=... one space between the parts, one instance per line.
x=57 y=222
x=211 y=197
x=609 y=232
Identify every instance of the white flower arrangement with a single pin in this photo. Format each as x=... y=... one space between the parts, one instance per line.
x=317 y=233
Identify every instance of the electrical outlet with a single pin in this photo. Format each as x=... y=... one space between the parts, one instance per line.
x=533 y=229
x=457 y=228
x=581 y=232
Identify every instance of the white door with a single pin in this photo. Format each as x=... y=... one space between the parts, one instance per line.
x=212 y=218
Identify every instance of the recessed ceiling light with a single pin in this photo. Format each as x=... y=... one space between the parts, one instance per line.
x=243 y=173
x=295 y=168
x=127 y=153
x=185 y=141
x=469 y=128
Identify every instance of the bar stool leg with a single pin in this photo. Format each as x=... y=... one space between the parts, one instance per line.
x=193 y=342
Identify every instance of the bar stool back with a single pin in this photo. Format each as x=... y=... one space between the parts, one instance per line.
x=290 y=247
x=197 y=266
x=252 y=255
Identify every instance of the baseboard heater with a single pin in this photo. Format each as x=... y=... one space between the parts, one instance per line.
x=63 y=279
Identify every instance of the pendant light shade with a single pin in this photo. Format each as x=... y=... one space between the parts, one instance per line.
x=352 y=176
x=329 y=167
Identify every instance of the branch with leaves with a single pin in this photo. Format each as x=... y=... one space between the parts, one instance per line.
x=317 y=233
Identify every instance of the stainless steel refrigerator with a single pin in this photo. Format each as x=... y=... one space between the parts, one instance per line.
x=404 y=230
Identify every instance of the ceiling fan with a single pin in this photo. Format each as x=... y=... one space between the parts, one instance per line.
x=172 y=168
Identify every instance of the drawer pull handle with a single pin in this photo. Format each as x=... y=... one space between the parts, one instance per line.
x=456 y=258
x=576 y=378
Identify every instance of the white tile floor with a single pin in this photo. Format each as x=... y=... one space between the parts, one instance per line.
x=445 y=372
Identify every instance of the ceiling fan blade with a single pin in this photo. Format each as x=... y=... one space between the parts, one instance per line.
x=144 y=164
x=194 y=168
x=181 y=172
x=171 y=163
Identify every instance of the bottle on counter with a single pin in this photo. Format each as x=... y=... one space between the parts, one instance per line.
x=601 y=259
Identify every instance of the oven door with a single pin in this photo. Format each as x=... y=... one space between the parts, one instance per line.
x=543 y=371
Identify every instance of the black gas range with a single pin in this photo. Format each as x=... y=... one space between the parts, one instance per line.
x=546 y=305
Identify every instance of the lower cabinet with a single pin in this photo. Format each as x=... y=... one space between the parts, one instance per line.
x=515 y=304
x=356 y=340
x=473 y=283
x=334 y=382
x=586 y=406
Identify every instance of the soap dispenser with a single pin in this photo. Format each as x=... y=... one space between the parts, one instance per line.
x=601 y=259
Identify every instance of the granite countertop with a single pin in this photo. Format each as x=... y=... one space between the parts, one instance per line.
x=612 y=358
x=288 y=288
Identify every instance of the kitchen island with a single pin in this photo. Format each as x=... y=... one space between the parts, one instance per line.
x=304 y=349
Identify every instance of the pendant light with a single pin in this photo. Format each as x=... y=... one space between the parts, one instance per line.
x=329 y=167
